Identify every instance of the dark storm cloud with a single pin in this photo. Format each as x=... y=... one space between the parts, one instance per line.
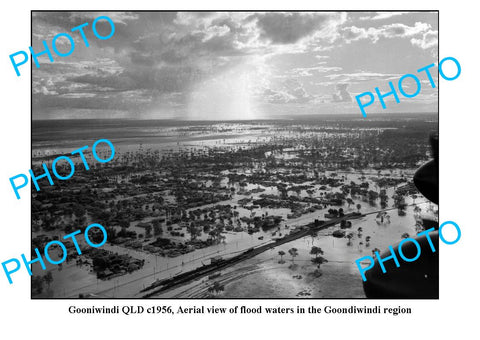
x=160 y=60
x=288 y=28
x=155 y=55
x=65 y=21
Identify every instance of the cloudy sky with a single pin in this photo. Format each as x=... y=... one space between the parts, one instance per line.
x=241 y=65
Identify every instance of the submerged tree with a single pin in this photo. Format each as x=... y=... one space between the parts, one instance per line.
x=148 y=230
x=349 y=236
x=37 y=284
x=349 y=202
x=216 y=288
x=319 y=261
x=157 y=227
x=293 y=253
x=367 y=240
x=48 y=278
x=316 y=251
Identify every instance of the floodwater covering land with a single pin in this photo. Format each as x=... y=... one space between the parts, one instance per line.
x=180 y=195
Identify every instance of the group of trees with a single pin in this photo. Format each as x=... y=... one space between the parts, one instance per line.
x=293 y=252
x=335 y=212
x=216 y=288
x=316 y=251
x=350 y=236
x=38 y=282
x=318 y=259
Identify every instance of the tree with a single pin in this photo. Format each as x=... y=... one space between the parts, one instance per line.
x=316 y=251
x=216 y=288
x=349 y=236
x=124 y=223
x=157 y=228
x=148 y=230
x=293 y=253
x=372 y=195
x=281 y=253
x=100 y=262
x=37 y=284
x=48 y=278
x=192 y=229
x=67 y=229
x=359 y=207
x=333 y=211
x=319 y=260
x=213 y=234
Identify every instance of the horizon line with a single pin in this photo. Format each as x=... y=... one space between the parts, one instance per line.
x=236 y=120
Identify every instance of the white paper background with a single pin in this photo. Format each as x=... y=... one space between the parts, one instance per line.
x=453 y=316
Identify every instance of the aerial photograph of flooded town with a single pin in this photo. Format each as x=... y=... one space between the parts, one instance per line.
x=243 y=167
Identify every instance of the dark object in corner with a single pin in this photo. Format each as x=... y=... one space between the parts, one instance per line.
x=418 y=279
x=426 y=178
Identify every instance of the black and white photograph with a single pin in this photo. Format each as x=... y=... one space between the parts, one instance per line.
x=235 y=154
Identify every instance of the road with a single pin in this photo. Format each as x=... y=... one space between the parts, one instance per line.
x=195 y=274
x=183 y=278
